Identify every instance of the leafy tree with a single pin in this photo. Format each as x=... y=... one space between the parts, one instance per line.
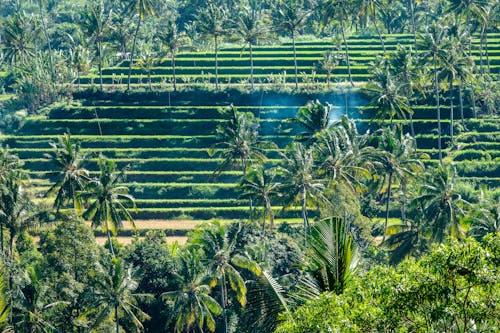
x=141 y=8
x=290 y=17
x=114 y=294
x=192 y=306
x=261 y=184
x=212 y=21
x=109 y=199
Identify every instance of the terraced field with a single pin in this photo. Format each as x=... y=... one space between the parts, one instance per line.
x=164 y=138
x=274 y=64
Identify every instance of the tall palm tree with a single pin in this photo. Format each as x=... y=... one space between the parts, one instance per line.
x=95 y=24
x=114 y=295
x=17 y=40
x=71 y=176
x=41 y=7
x=239 y=141
x=193 y=306
x=251 y=28
x=261 y=185
x=81 y=61
x=223 y=261
x=108 y=200
x=471 y=9
x=141 y=8
x=435 y=43
x=339 y=9
x=442 y=205
x=313 y=118
x=172 y=39
x=371 y=8
x=290 y=17
x=400 y=163
x=300 y=181
x=212 y=21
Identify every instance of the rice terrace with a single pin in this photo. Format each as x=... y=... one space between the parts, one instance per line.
x=249 y=166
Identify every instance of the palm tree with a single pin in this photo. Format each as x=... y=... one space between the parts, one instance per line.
x=212 y=21
x=313 y=118
x=223 y=261
x=290 y=17
x=41 y=8
x=114 y=293
x=400 y=162
x=141 y=8
x=109 y=200
x=370 y=9
x=81 y=60
x=251 y=29
x=471 y=9
x=238 y=141
x=260 y=184
x=328 y=64
x=300 y=181
x=71 y=176
x=436 y=44
x=172 y=39
x=17 y=40
x=341 y=10
x=95 y=24
x=192 y=304
x=441 y=205
x=485 y=218
x=147 y=59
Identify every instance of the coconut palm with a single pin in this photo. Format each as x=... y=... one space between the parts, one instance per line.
x=238 y=141
x=223 y=262
x=41 y=7
x=370 y=8
x=313 y=118
x=441 y=205
x=192 y=305
x=290 y=17
x=172 y=39
x=300 y=181
x=95 y=24
x=339 y=9
x=141 y=8
x=108 y=200
x=71 y=176
x=113 y=295
x=485 y=218
x=212 y=21
x=81 y=61
x=147 y=59
x=328 y=64
x=436 y=44
x=17 y=40
x=400 y=163
x=251 y=29
x=260 y=184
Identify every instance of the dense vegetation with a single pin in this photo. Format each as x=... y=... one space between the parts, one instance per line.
x=357 y=193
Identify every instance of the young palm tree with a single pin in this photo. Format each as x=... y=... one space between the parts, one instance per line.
x=95 y=24
x=328 y=64
x=238 y=141
x=313 y=118
x=485 y=219
x=339 y=9
x=300 y=181
x=141 y=8
x=442 y=206
x=114 y=295
x=108 y=200
x=212 y=21
x=290 y=17
x=17 y=40
x=193 y=306
x=71 y=176
x=224 y=262
x=251 y=28
x=172 y=39
x=435 y=43
x=81 y=61
x=260 y=185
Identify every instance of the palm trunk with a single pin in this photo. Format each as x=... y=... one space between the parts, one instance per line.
x=99 y=46
x=377 y=29
x=451 y=109
x=295 y=61
x=328 y=79
x=412 y=127
x=11 y=244
x=461 y=98
x=133 y=51
x=216 y=64
x=481 y=64
x=389 y=188
x=1 y=238
x=45 y=32
x=223 y=288
x=436 y=86
x=173 y=71
x=304 y=215
x=412 y=9
x=251 y=65
x=487 y=53
x=98 y=122
x=346 y=46
x=346 y=103
x=117 y=319
x=110 y=243
x=270 y=212
x=473 y=97
x=78 y=79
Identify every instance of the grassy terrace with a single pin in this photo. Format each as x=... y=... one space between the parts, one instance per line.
x=166 y=141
